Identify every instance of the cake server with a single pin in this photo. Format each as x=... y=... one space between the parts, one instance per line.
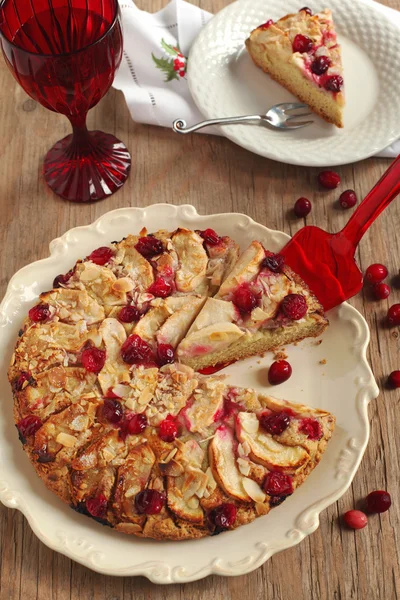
x=326 y=260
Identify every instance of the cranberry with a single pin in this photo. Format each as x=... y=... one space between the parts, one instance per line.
x=275 y=423
x=279 y=371
x=161 y=288
x=149 y=246
x=381 y=291
x=165 y=354
x=210 y=237
x=302 y=43
x=267 y=24
x=101 y=256
x=149 y=502
x=129 y=314
x=334 y=83
x=320 y=65
x=278 y=484
x=168 y=429
x=378 y=502
x=135 y=350
x=93 y=359
x=393 y=315
x=110 y=394
x=306 y=10
x=97 y=506
x=348 y=199
x=19 y=382
x=62 y=279
x=302 y=207
x=311 y=428
x=355 y=519
x=40 y=312
x=244 y=298
x=376 y=273
x=329 y=179
x=274 y=262
x=29 y=425
x=112 y=410
x=294 y=306
x=134 y=424
x=224 y=516
x=394 y=379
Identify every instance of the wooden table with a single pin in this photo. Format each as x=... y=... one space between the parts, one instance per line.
x=215 y=176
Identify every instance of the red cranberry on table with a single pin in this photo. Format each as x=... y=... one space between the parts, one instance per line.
x=320 y=65
x=93 y=359
x=302 y=207
x=294 y=306
x=149 y=502
x=394 y=379
x=275 y=423
x=278 y=484
x=112 y=410
x=334 y=83
x=168 y=430
x=329 y=179
x=165 y=354
x=224 y=516
x=101 y=256
x=381 y=291
x=376 y=273
x=355 y=519
x=39 y=313
x=393 y=315
x=129 y=314
x=279 y=371
x=149 y=246
x=378 y=501
x=348 y=199
x=135 y=350
x=306 y=10
x=97 y=506
x=302 y=43
x=244 y=298
x=210 y=237
x=29 y=425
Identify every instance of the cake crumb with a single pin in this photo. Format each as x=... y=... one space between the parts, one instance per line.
x=318 y=342
x=323 y=361
x=280 y=355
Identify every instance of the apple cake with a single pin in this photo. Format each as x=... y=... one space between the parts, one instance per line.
x=112 y=413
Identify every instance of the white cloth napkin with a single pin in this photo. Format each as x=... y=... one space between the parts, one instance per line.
x=152 y=72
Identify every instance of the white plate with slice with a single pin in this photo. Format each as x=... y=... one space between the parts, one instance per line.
x=344 y=386
x=225 y=82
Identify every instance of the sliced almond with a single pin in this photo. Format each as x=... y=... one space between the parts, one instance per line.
x=253 y=490
x=65 y=439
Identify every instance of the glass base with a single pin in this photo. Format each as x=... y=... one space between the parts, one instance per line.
x=89 y=169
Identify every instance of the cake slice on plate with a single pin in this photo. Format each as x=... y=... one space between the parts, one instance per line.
x=301 y=52
x=261 y=305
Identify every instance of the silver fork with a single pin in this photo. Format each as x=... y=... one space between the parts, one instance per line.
x=282 y=116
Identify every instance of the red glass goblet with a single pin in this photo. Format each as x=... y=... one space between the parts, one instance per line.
x=65 y=53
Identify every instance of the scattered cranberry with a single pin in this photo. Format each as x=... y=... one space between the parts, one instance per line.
x=394 y=379
x=244 y=298
x=210 y=237
x=279 y=371
x=274 y=262
x=275 y=423
x=112 y=410
x=101 y=256
x=306 y=10
x=62 y=279
x=381 y=291
x=135 y=350
x=19 y=382
x=334 y=83
x=40 y=312
x=355 y=519
x=224 y=516
x=267 y=24
x=129 y=314
x=376 y=273
x=329 y=179
x=378 y=502
x=161 y=288
x=133 y=424
x=149 y=246
x=278 y=484
x=93 y=359
x=348 y=199
x=302 y=43
x=168 y=429
x=294 y=306
x=302 y=207
x=393 y=315
x=97 y=506
x=149 y=502
x=311 y=428
x=29 y=425
x=320 y=65
x=165 y=354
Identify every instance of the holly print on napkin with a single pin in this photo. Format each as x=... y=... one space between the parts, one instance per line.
x=173 y=67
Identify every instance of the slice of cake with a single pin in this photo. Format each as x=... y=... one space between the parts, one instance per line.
x=261 y=305
x=301 y=52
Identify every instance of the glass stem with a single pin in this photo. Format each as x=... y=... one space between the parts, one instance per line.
x=81 y=143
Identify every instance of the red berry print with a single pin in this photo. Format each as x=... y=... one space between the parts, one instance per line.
x=302 y=207
x=224 y=516
x=329 y=179
x=93 y=359
x=275 y=423
x=381 y=291
x=112 y=411
x=29 y=425
x=39 y=313
x=302 y=43
x=355 y=519
x=210 y=237
x=149 y=246
x=394 y=380
x=161 y=288
x=279 y=371
x=311 y=428
x=178 y=64
x=165 y=354
x=244 y=298
x=278 y=484
x=378 y=502
x=101 y=256
x=97 y=506
x=348 y=199
x=129 y=314
x=294 y=306
x=135 y=350
x=149 y=502
x=393 y=316
x=376 y=273
x=168 y=429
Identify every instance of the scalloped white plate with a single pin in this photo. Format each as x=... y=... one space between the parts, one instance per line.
x=344 y=386
x=225 y=82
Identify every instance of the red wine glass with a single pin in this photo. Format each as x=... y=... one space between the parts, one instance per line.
x=64 y=53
